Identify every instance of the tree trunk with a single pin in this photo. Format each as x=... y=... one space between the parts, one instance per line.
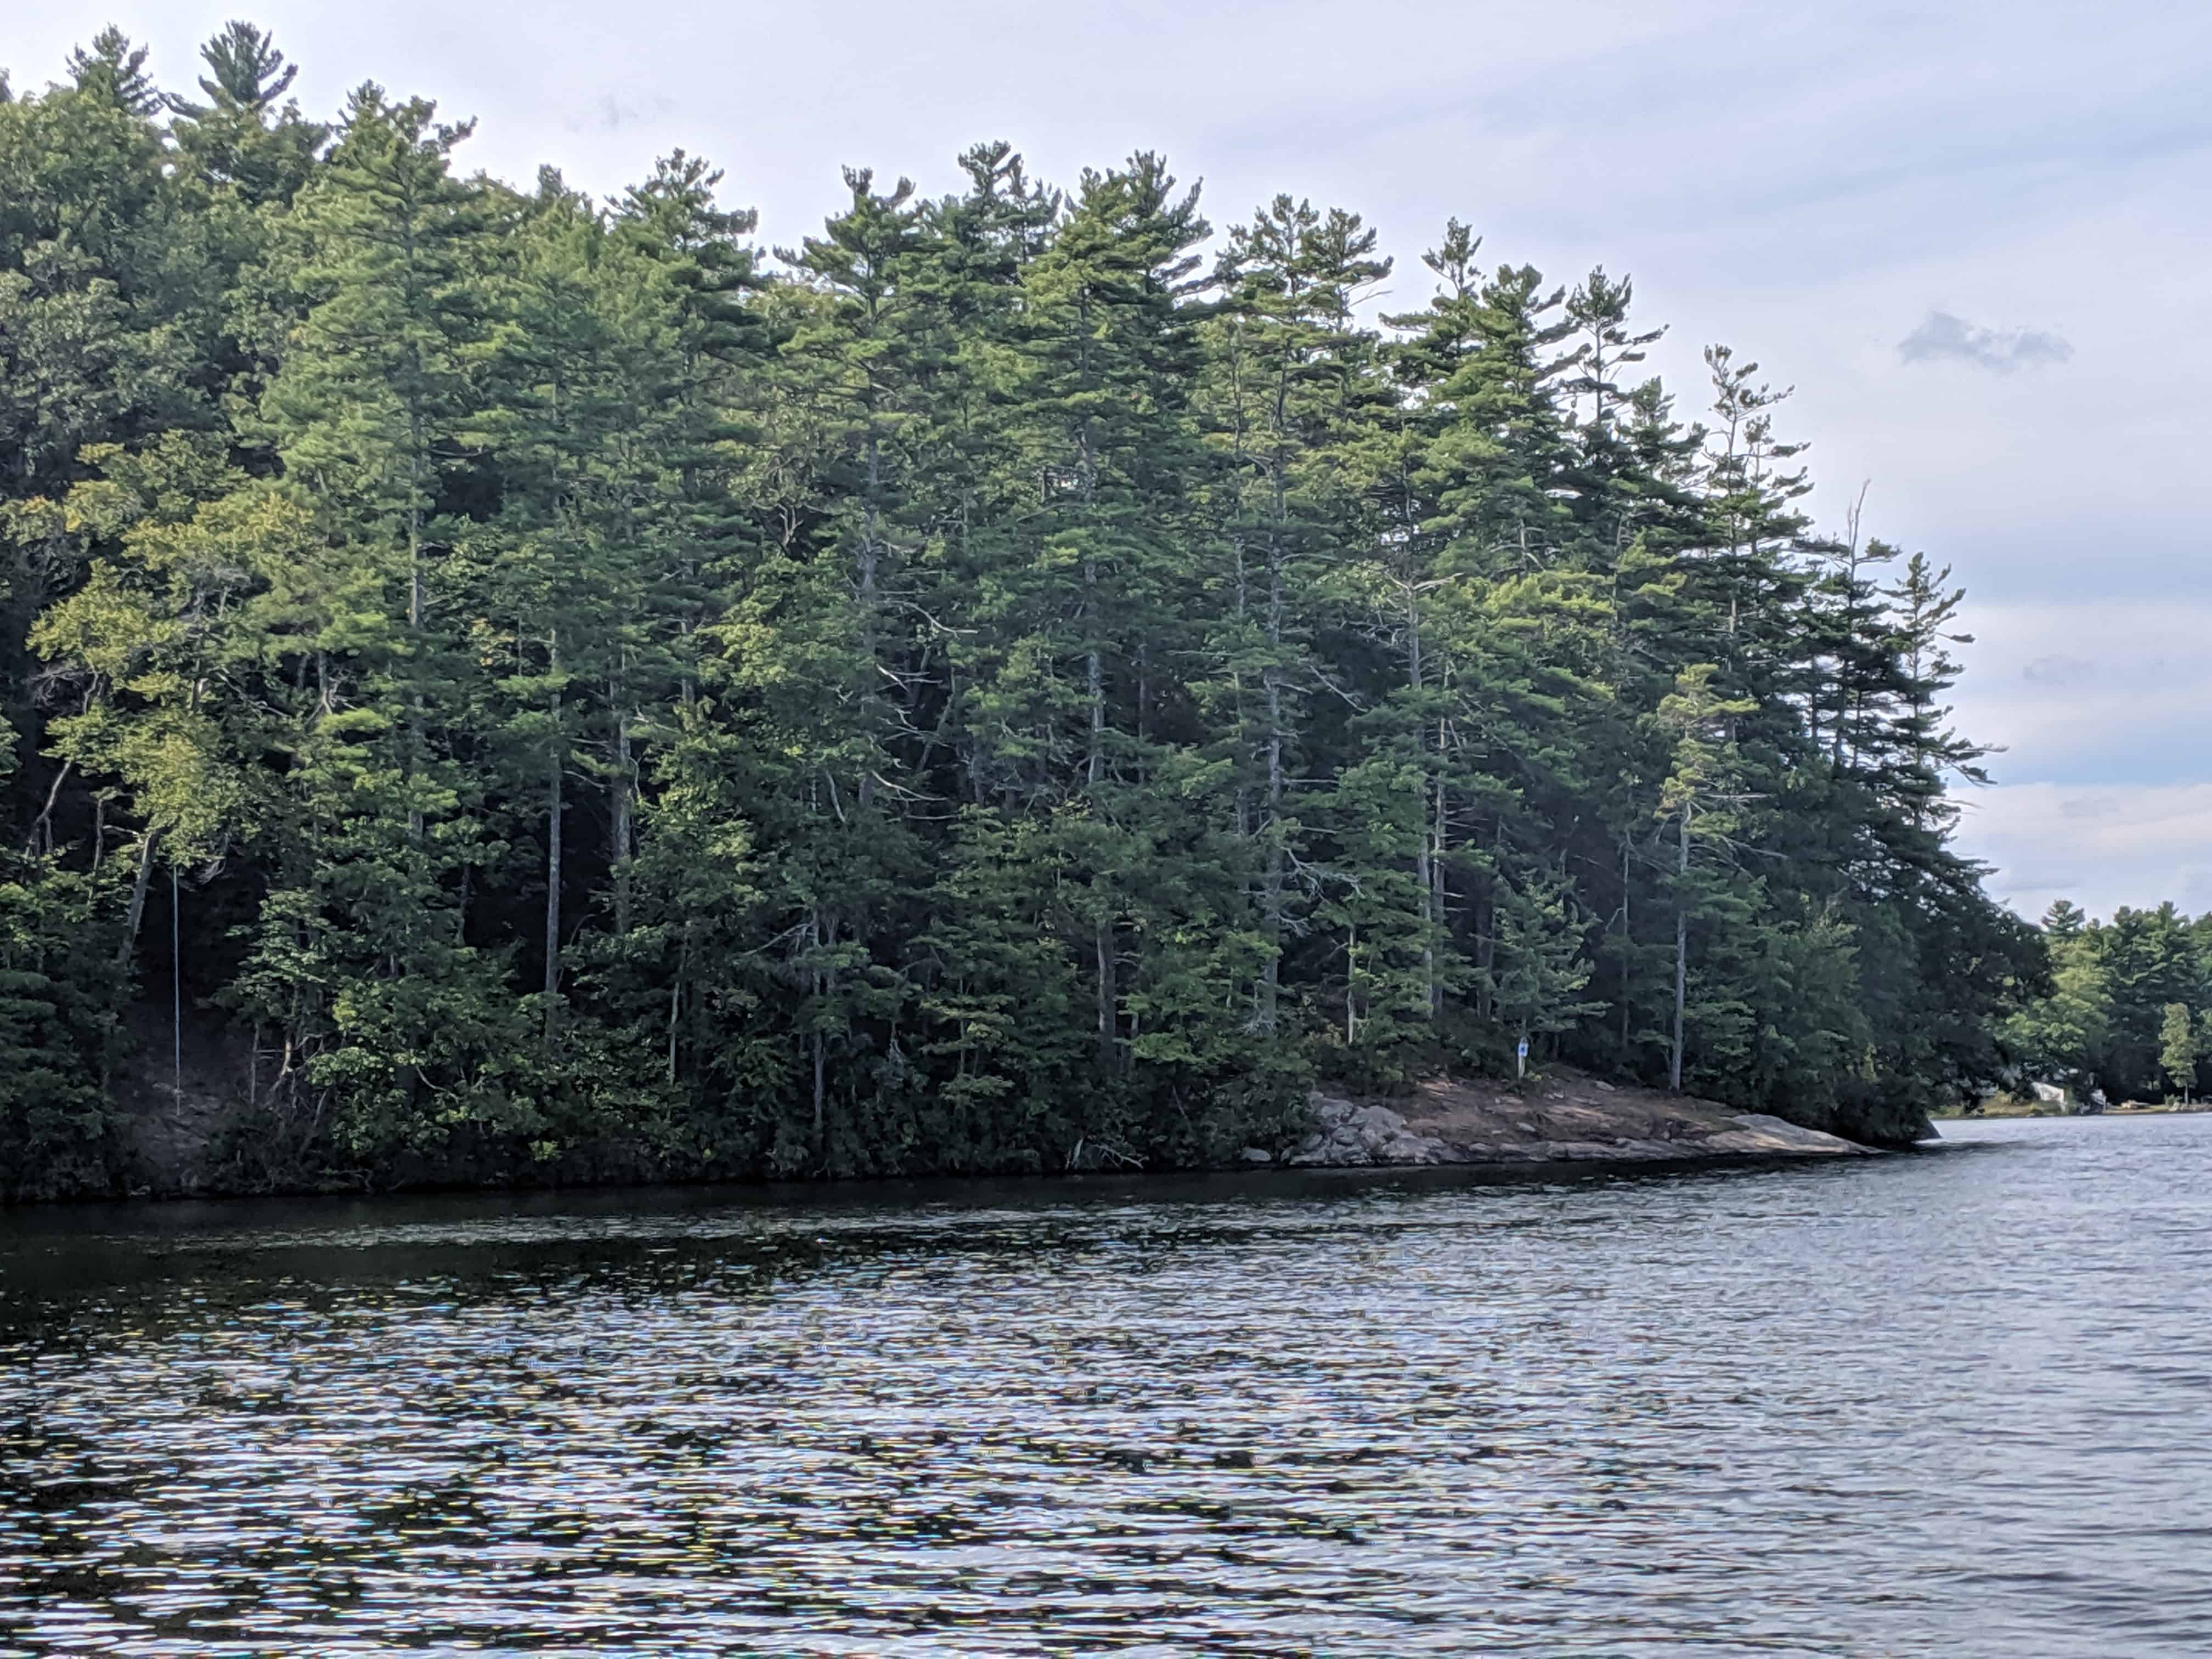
x=137 y=908
x=619 y=816
x=41 y=837
x=864 y=787
x=1144 y=705
x=1351 y=986
x=1628 y=945
x=1271 y=976
x=820 y=1090
x=415 y=628
x=821 y=989
x=1439 y=882
x=1094 y=677
x=176 y=984
x=676 y=1001
x=1485 y=929
x=1682 y=952
x=555 y=810
x=1101 y=943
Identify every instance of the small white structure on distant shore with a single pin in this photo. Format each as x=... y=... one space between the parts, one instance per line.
x=2059 y=1095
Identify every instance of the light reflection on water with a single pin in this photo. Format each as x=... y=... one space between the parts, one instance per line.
x=1948 y=1403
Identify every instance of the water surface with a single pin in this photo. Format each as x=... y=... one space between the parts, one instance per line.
x=1958 y=1402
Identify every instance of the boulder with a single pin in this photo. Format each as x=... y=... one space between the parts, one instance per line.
x=1581 y=1119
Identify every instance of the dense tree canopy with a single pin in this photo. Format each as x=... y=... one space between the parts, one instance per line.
x=1016 y=680
x=2126 y=1009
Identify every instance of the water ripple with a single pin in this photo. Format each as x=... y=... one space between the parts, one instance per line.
x=1946 y=1404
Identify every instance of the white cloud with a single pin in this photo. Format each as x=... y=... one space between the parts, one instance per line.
x=2102 y=847
x=2000 y=351
x=2090 y=690
x=2058 y=669
x=609 y=114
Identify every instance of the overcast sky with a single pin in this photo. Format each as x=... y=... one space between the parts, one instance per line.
x=1972 y=235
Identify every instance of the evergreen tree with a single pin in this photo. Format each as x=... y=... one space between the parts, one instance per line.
x=1012 y=682
x=112 y=70
x=1702 y=800
x=240 y=139
x=2177 y=1047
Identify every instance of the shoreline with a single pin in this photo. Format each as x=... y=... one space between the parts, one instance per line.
x=184 y=1212
x=1563 y=1118
x=2126 y=1108
x=1558 y=1122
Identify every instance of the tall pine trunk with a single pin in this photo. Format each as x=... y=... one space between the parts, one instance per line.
x=1271 y=976
x=556 y=808
x=1627 y=945
x=825 y=931
x=1439 y=905
x=1681 y=951
x=1101 y=942
x=1427 y=851
x=415 y=610
x=618 y=815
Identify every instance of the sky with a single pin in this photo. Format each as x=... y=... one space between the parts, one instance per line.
x=1972 y=236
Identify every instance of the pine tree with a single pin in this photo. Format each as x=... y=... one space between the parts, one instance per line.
x=373 y=408
x=1701 y=799
x=987 y=688
x=1542 y=968
x=1294 y=382
x=2176 y=1050
x=113 y=70
x=240 y=139
x=2148 y=964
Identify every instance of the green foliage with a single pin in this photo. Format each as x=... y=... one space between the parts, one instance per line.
x=2177 y=1046
x=991 y=687
x=2059 y=1037
x=239 y=140
x=2115 y=1015
x=60 y=1012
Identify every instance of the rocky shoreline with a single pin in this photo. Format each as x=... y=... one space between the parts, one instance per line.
x=176 y=1142
x=1565 y=1118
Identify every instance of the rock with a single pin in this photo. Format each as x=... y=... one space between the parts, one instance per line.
x=1256 y=1154
x=1357 y=1134
x=1411 y=1149
x=1764 y=1132
x=1592 y=1121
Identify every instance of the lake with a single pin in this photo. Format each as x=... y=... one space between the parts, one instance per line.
x=1955 y=1401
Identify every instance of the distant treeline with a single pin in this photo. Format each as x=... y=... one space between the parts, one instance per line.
x=2129 y=1005
x=1012 y=681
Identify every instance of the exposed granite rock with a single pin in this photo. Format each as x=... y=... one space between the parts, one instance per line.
x=1761 y=1134
x=1350 y=1132
x=1565 y=1118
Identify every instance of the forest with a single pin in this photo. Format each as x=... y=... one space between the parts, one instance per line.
x=508 y=686
x=2128 y=1010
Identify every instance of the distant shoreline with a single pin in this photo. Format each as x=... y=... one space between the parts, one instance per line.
x=2040 y=1109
